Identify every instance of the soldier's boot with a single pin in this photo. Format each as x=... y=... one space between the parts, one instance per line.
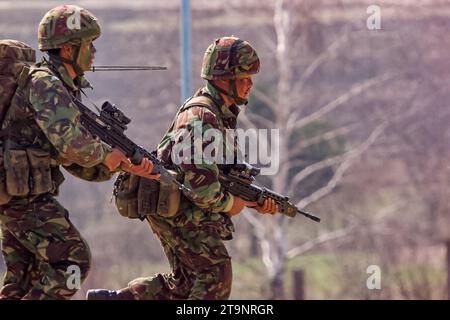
x=104 y=294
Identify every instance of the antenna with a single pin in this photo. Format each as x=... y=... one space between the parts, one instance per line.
x=125 y=68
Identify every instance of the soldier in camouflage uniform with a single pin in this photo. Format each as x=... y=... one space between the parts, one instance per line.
x=192 y=239
x=42 y=131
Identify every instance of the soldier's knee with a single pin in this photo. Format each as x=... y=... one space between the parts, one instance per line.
x=80 y=255
x=217 y=281
x=86 y=262
x=226 y=278
x=146 y=288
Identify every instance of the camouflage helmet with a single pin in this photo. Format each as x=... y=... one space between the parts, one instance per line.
x=67 y=23
x=228 y=58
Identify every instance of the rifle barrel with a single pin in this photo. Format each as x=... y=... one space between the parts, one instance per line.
x=306 y=214
x=125 y=68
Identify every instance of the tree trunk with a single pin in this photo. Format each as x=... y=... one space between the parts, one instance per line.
x=279 y=244
x=277 y=287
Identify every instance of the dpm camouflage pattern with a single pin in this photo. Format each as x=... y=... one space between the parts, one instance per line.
x=193 y=238
x=66 y=23
x=200 y=264
x=51 y=120
x=39 y=242
x=229 y=58
x=14 y=56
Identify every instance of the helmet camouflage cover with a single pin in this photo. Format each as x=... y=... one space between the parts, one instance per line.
x=229 y=58
x=67 y=23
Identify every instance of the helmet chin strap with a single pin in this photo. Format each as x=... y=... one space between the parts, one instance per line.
x=232 y=92
x=235 y=96
x=72 y=62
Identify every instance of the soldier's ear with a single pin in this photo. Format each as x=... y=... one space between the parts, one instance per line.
x=224 y=84
x=66 y=51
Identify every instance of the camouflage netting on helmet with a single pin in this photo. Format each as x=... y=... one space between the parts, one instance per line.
x=67 y=23
x=229 y=58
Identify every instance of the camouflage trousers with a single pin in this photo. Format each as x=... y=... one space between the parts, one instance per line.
x=201 y=267
x=39 y=244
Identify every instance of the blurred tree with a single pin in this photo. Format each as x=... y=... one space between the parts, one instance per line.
x=311 y=154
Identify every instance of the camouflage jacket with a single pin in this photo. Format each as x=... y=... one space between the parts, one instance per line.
x=42 y=116
x=202 y=178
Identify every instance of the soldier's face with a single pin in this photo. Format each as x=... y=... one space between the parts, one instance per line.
x=87 y=55
x=244 y=85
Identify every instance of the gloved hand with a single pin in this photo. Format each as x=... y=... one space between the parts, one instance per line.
x=144 y=169
x=269 y=206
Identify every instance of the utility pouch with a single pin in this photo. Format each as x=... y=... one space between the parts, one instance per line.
x=126 y=198
x=4 y=196
x=137 y=197
x=40 y=173
x=169 y=198
x=17 y=172
x=148 y=194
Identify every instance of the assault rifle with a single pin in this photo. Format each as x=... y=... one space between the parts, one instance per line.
x=237 y=179
x=110 y=127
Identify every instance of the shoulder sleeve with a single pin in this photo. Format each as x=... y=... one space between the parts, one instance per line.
x=96 y=173
x=59 y=119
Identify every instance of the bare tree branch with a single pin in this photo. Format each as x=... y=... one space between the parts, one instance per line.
x=266 y=246
x=264 y=98
x=234 y=9
x=376 y=221
x=329 y=135
x=319 y=60
x=246 y=121
x=268 y=41
x=354 y=91
x=296 y=163
x=261 y=121
x=328 y=162
x=324 y=137
x=338 y=175
x=329 y=236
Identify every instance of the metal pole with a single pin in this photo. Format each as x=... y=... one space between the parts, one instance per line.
x=185 y=33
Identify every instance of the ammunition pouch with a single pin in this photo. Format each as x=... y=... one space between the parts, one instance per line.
x=17 y=172
x=4 y=195
x=137 y=197
x=125 y=193
x=40 y=172
x=168 y=199
x=147 y=200
x=24 y=172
